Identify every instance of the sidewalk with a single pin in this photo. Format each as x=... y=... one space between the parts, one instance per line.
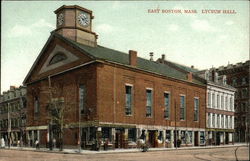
x=76 y=151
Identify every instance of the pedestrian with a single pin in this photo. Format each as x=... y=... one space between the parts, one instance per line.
x=2 y=143
x=37 y=144
x=18 y=143
x=54 y=143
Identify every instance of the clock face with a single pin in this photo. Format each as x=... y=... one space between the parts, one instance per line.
x=83 y=19
x=60 y=19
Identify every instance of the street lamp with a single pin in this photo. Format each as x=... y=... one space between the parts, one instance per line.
x=9 y=125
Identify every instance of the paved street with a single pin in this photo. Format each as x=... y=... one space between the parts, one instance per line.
x=173 y=155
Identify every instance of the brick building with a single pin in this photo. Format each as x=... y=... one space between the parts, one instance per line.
x=238 y=77
x=110 y=95
x=13 y=115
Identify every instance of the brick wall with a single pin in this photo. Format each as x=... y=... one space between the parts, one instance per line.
x=67 y=87
x=111 y=98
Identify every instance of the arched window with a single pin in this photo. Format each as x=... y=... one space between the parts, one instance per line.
x=57 y=58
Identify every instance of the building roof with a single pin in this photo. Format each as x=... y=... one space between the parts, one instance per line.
x=122 y=58
x=234 y=66
x=180 y=66
x=118 y=57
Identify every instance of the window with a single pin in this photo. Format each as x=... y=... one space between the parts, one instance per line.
x=218 y=121
x=209 y=99
x=234 y=82
x=226 y=103
x=82 y=99
x=36 y=105
x=160 y=136
x=224 y=80
x=244 y=81
x=183 y=137
x=222 y=102
x=182 y=108
x=202 y=137
x=231 y=103
x=209 y=120
x=196 y=109
x=167 y=105
x=244 y=93
x=226 y=119
x=222 y=121
x=57 y=58
x=230 y=122
x=218 y=101
x=106 y=133
x=213 y=120
x=132 y=135
x=213 y=100
x=168 y=135
x=189 y=137
x=128 y=106
x=149 y=103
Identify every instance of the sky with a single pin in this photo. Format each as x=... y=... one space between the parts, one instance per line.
x=199 y=39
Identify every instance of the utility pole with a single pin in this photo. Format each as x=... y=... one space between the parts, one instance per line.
x=79 y=141
x=50 y=123
x=248 y=131
x=175 y=125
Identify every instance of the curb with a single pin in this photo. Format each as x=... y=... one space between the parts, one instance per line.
x=136 y=150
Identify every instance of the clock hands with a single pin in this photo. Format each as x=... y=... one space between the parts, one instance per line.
x=83 y=19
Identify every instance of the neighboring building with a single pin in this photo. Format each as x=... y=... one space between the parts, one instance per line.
x=13 y=114
x=238 y=77
x=220 y=108
x=220 y=103
x=110 y=94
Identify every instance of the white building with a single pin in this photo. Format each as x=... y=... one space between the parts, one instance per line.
x=220 y=109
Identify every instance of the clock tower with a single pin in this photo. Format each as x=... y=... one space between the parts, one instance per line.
x=75 y=22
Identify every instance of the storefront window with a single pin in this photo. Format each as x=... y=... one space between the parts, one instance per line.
x=168 y=135
x=183 y=137
x=189 y=137
x=160 y=136
x=202 y=137
x=106 y=133
x=132 y=135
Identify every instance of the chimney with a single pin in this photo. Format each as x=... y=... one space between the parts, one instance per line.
x=190 y=77
x=214 y=76
x=163 y=57
x=151 y=54
x=132 y=57
x=12 y=88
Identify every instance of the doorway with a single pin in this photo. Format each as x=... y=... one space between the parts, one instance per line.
x=152 y=138
x=226 y=138
x=217 y=138
x=120 y=138
x=196 y=138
